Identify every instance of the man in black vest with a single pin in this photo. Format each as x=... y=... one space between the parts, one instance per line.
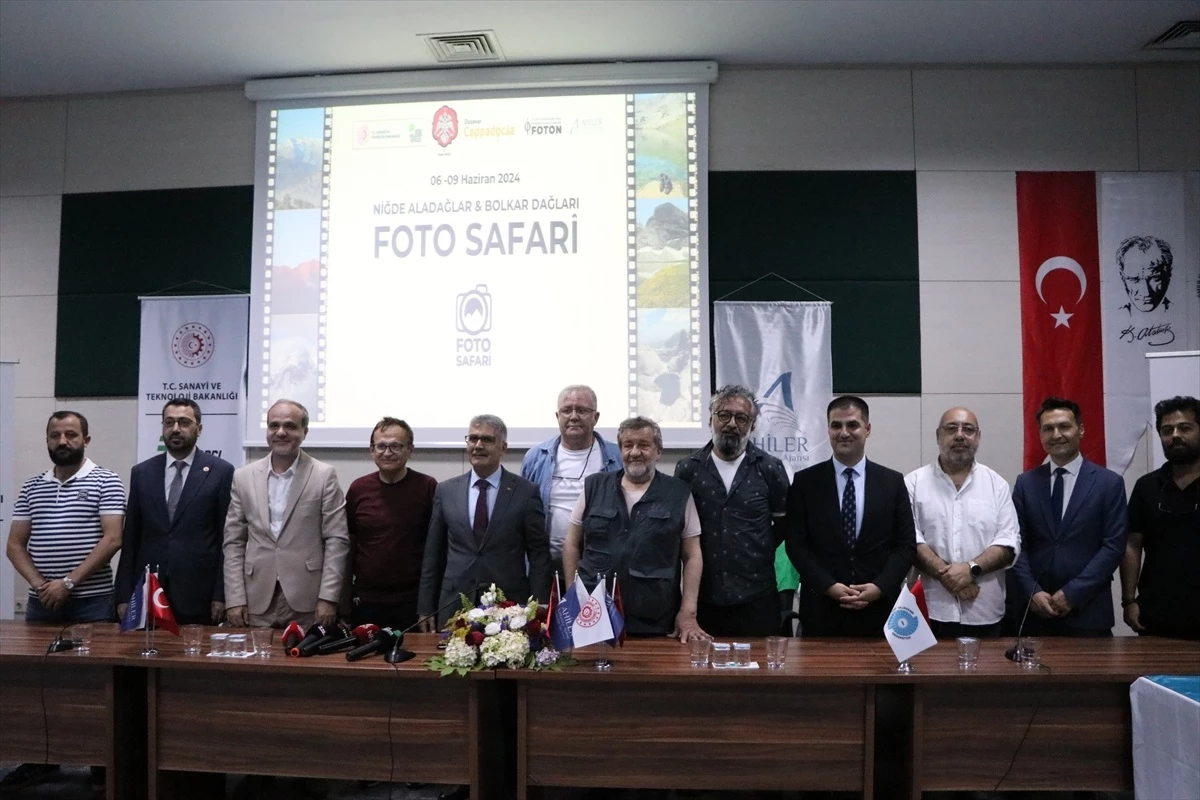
x=640 y=528
x=741 y=496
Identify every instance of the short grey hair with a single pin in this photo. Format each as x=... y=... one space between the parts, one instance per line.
x=492 y=421
x=579 y=387
x=303 y=410
x=637 y=424
x=730 y=391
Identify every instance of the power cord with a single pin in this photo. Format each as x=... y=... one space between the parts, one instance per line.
x=1037 y=706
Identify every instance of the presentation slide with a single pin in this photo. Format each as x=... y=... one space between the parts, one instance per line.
x=438 y=259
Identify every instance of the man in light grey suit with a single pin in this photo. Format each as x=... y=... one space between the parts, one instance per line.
x=486 y=524
x=286 y=545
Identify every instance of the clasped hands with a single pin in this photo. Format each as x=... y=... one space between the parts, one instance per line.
x=957 y=580
x=1050 y=606
x=856 y=596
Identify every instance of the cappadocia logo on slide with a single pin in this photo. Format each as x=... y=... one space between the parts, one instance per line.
x=445 y=125
x=192 y=345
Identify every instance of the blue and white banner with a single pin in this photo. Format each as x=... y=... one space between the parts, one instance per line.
x=194 y=347
x=1149 y=292
x=782 y=352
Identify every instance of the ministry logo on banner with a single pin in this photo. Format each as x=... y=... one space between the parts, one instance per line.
x=783 y=353
x=1149 y=291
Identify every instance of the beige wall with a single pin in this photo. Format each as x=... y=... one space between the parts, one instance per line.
x=964 y=132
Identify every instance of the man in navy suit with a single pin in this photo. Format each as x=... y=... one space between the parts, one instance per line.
x=485 y=527
x=1073 y=529
x=175 y=520
x=849 y=532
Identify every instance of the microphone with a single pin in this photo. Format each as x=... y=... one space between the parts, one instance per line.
x=332 y=634
x=292 y=635
x=382 y=641
x=314 y=634
x=398 y=655
x=360 y=635
x=1016 y=652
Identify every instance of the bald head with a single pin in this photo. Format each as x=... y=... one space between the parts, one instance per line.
x=958 y=438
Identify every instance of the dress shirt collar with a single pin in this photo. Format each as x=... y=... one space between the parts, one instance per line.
x=493 y=479
x=859 y=468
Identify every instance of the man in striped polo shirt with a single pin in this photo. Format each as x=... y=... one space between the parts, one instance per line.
x=66 y=527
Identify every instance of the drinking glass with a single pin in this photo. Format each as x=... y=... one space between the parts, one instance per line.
x=741 y=654
x=968 y=652
x=721 y=654
x=218 y=644
x=237 y=645
x=262 y=641
x=82 y=634
x=1031 y=652
x=701 y=650
x=776 y=651
x=192 y=635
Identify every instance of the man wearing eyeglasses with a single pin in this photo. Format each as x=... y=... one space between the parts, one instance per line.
x=387 y=516
x=967 y=532
x=484 y=527
x=559 y=465
x=1161 y=595
x=741 y=496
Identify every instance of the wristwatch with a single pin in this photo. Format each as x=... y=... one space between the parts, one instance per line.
x=67 y=582
x=976 y=570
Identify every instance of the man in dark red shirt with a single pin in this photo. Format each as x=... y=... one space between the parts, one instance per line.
x=388 y=515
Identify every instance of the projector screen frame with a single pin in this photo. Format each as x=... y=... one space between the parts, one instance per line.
x=613 y=409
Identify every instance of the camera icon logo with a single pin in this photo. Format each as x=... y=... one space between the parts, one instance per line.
x=474 y=311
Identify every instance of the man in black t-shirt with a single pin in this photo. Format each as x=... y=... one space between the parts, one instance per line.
x=1161 y=595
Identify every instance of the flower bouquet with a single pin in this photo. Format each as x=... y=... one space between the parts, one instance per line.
x=498 y=633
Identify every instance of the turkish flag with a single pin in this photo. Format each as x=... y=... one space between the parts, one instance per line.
x=1060 y=303
x=160 y=609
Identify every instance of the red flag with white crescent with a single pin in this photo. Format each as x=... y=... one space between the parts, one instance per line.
x=160 y=609
x=1060 y=303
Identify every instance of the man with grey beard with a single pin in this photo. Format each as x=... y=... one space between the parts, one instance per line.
x=741 y=495
x=1160 y=596
x=639 y=528
x=967 y=532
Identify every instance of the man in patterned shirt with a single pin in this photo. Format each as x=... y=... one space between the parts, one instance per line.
x=66 y=527
x=741 y=496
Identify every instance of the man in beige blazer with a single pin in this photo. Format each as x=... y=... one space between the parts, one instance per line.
x=286 y=545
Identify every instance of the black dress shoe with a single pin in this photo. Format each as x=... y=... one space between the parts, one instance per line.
x=456 y=793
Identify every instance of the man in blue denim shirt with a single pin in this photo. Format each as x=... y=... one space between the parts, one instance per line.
x=741 y=495
x=559 y=465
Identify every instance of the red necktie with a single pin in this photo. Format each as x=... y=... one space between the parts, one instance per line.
x=479 y=526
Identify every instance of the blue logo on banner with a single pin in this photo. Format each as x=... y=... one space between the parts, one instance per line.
x=903 y=623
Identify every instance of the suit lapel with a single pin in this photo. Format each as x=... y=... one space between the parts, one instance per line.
x=197 y=474
x=299 y=482
x=261 y=495
x=1043 y=498
x=158 y=495
x=502 y=500
x=1079 y=495
x=830 y=500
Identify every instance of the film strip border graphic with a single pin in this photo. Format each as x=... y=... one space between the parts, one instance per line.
x=693 y=251
x=322 y=308
x=269 y=267
x=631 y=245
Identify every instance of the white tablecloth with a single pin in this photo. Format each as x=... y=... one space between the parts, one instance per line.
x=1166 y=737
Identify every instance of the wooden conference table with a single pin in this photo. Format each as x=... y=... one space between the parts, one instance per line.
x=837 y=716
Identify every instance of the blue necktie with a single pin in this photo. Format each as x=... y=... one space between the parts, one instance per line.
x=848 y=508
x=1056 y=496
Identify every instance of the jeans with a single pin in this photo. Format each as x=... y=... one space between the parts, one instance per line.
x=76 y=609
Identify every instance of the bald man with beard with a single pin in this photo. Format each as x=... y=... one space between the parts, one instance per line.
x=967 y=532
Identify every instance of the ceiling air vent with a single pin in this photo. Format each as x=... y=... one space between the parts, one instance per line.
x=458 y=48
x=1183 y=35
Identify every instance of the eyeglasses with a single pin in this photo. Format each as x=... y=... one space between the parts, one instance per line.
x=382 y=447
x=724 y=416
x=582 y=411
x=182 y=422
x=953 y=429
x=474 y=438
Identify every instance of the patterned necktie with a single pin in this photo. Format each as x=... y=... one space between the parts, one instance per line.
x=479 y=526
x=1056 y=496
x=175 y=490
x=849 y=512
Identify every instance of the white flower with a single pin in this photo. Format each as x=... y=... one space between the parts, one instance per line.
x=507 y=647
x=517 y=623
x=459 y=654
x=487 y=599
x=492 y=629
x=476 y=614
